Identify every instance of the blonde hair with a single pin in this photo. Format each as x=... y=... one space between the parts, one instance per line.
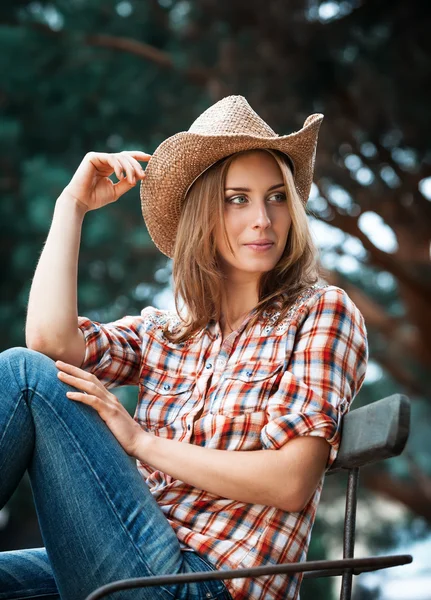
x=197 y=277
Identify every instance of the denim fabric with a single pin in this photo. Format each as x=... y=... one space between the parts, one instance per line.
x=98 y=520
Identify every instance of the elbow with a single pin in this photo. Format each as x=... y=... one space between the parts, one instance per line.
x=34 y=342
x=39 y=343
x=292 y=505
x=34 y=337
x=293 y=502
x=70 y=349
x=298 y=506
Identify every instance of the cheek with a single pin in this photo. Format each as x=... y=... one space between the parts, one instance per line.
x=233 y=229
x=235 y=224
x=284 y=225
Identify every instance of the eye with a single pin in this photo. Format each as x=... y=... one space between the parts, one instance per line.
x=239 y=200
x=234 y=198
x=279 y=196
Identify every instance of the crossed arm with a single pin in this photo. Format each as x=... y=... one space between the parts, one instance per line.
x=284 y=478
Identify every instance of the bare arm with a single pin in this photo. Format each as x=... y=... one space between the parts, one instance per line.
x=52 y=314
x=285 y=478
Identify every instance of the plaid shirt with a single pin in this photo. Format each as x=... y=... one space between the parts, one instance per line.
x=256 y=390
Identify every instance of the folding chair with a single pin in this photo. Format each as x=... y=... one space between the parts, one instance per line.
x=371 y=433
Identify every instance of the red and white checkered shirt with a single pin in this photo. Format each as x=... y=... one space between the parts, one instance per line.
x=255 y=390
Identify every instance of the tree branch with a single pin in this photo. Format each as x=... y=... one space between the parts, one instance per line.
x=162 y=59
x=413 y=494
x=349 y=225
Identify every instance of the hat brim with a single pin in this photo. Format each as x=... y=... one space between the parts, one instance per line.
x=183 y=157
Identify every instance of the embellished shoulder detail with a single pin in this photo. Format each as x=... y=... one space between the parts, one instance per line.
x=271 y=317
x=156 y=319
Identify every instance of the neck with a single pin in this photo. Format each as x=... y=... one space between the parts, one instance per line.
x=238 y=300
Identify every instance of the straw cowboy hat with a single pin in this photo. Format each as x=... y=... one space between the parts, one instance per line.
x=226 y=127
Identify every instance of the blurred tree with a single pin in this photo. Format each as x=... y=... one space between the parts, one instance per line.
x=110 y=75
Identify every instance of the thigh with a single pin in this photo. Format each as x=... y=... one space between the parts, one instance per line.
x=98 y=519
x=28 y=575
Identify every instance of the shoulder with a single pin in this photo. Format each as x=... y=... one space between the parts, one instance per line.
x=333 y=302
x=332 y=315
x=156 y=318
x=320 y=294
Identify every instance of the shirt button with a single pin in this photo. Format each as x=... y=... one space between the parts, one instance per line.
x=208 y=365
x=166 y=386
x=249 y=373
x=189 y=427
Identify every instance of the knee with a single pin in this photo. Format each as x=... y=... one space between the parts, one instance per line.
x=24 y=369
x=24 y=358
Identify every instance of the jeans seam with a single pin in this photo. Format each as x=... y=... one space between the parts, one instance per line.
x=11 y=417
x=17 y=404
x=100 y=484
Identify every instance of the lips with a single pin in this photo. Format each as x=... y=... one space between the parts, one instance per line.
x=260 y=243
x=260 y=246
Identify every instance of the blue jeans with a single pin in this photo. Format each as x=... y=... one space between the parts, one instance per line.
x=98 y=519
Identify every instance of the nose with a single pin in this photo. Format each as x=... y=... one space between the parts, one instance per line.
x=261 y=217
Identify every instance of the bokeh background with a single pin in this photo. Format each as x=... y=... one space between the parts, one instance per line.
x=111 y=75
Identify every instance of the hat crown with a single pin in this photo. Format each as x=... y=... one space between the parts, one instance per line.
x=231 y=115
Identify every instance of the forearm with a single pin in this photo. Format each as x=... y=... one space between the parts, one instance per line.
x=52 y=314
x=257 y=477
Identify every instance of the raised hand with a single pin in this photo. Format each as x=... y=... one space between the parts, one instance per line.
x=91 y=185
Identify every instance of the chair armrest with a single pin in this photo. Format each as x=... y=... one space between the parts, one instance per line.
x=373 y=432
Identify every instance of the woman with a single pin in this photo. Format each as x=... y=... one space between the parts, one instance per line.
x=241 y=390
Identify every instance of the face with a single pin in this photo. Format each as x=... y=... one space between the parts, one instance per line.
x=256 y=216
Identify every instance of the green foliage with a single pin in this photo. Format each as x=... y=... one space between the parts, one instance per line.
x=64 y=94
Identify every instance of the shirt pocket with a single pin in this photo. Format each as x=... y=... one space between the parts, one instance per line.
x=164 y=398
x=245 y=388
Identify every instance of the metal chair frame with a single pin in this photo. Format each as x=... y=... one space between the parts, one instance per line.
x=371 y=433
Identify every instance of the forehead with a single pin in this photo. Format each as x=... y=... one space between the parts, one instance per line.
x=251 y=165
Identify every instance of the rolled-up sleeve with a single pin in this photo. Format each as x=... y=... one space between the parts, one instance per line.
x=324 y=372
x=113 y=351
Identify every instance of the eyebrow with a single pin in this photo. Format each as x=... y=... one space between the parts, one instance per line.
x=242 y=189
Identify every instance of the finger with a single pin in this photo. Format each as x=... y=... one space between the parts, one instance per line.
x=100 y=160
x=116 y=165
x=122 y=187
x=142 y=156
x=137 y=169
x=93 y=401
x=74 y=370
x=89 y=387
x=127 y=167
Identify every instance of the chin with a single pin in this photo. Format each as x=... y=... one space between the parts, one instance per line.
x=262 y=267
